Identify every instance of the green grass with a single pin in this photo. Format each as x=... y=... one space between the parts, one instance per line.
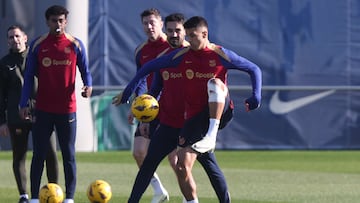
x=253 y=176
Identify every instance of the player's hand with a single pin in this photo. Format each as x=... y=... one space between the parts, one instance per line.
x=117 y=99
x=144 y=129
x=4 y=130
x=252 y=103
x=86 y=91
x=24 y=113
x=181 y=140
x=130 y=117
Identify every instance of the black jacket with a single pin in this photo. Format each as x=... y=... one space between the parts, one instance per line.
x=12 y=68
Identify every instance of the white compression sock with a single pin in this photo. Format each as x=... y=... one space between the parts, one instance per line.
x=213 y=128
x=156 y=185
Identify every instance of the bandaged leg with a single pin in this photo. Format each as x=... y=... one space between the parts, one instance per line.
x=217 y=92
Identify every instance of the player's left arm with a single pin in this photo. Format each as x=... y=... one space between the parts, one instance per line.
x=83 y=66
x=234 y=61
x=154 y=65
x=142 y=86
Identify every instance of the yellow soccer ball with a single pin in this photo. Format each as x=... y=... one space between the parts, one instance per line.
x=51 y=193
x=99 y=191
x=145 y=108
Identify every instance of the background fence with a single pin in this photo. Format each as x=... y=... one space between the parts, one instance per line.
x=308 y=51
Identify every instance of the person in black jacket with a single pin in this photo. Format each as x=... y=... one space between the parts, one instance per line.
x=11 y=81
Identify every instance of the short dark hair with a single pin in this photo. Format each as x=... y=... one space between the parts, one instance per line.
x=56 y=10
x=13 y=27
x=150 y=11
x=195 y=21
x=175 y=17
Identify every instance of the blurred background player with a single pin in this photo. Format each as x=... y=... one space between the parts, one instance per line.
x=53 y=57
x=155 y=44
x=171 y=120
x=12 y=67
x=204 y=66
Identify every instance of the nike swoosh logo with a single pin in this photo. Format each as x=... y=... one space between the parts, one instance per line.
x=282 y=107
x=12 y=68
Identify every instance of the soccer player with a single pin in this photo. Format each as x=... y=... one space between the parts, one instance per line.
x=155 y=44
x=53 y=58
x=207 y=103
x=12 y=67
x=171 y=116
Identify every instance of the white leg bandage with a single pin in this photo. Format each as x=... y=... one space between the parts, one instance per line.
x=217 y=90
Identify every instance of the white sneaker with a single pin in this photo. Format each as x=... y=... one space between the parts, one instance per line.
x=207 y=144
x=34 y=201
x=159 y=198
x=68 y=201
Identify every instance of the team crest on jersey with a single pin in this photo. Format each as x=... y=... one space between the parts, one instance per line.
x=67 y=50
x=212 y=63
x=189 y=74
x=165 y=75
x=46 y=62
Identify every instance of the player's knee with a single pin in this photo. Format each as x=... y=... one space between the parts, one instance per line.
x=139 y=155
x=180 y=170
x=217 y=90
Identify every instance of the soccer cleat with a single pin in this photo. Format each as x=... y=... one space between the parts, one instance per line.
x=207 y=144
x=23 y=200
x=160 y=198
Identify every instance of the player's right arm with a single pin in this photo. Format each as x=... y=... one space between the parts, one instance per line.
x=30 y=72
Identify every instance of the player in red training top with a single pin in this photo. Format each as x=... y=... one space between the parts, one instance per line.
x=150 y=49
x=53 y=59
x=204 y=67
x=171 y=116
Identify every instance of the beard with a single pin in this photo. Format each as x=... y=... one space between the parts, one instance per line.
x=174 y=41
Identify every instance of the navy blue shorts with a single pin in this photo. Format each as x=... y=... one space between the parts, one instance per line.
x=196 y=127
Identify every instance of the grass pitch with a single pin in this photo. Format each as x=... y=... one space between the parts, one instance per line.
x=253 y=176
